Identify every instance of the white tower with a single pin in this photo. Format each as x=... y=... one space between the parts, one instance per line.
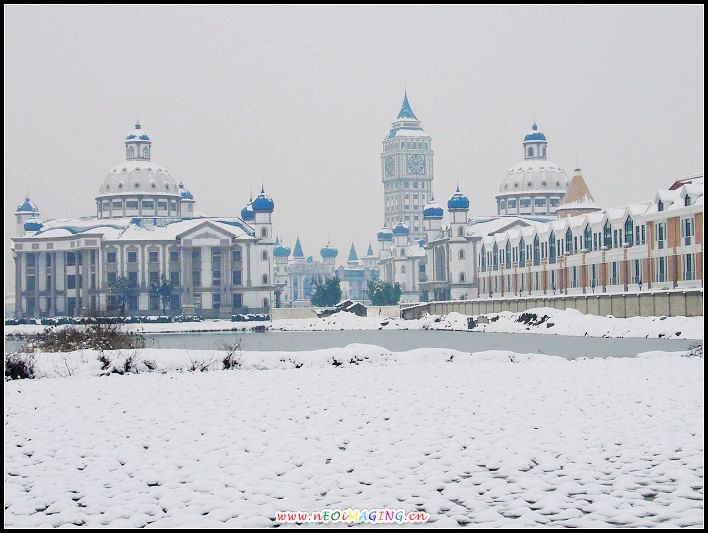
x=432 y=220
x=263 y=207
x=407 y=171
x=137 y=145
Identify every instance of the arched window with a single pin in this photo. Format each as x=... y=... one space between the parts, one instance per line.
x=264 y=232
x=146 y=152
x=131 y=151
x=568 y=241
x=587 y=238
x=552 y=248
x=536 y=251
x=507 y=253
x=461 y=254
x=607 y=235
x=660 y=206
x=483 y=258
x=495 y=257
x=462 y=277
x=530 y=151
x=543 y=151
x=629 y=231
x=522 y=253
x=461 y=231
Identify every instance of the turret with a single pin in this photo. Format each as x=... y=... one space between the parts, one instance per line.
x=24 y=213
x=385 y=238
x=432 y=220
x=263 y=207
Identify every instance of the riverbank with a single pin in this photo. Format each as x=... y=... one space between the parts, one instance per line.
x=547 y=321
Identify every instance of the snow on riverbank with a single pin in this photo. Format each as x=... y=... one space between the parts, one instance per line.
x=557 y=322
x=484 y=439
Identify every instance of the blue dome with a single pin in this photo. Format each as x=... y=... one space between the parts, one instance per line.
x=33 y=225
x=263 y=203
x=328 y=251
x=138 y=134
x=534 y=135
x=458 y=201
x=433 y=210
x=281 y=251
x=247 y=212
x=27 y=207
x=401 y=229
x=184 y=193
x=384 y=235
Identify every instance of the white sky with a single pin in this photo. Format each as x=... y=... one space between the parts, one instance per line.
x=304 y=96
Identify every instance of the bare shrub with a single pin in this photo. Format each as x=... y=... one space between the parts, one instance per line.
x=19 y=365
x=694 y=350
x=200 y=365
x=232 y=359
x=96 y=336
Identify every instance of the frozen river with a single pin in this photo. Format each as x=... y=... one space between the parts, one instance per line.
x=565 y=346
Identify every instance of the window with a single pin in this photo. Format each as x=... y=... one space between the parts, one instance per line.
x=593 y=275
x=530 y=151
x=265 y=303
x=196 y=278
x=264 y=255
x=154 y=302
x=131 y=205
x=264 y=232
x=264 y=279
x=629 y=231
x=461 y=231
x=146 y=152
x=607 y=235
x=587 y=238
x=236 y=277
x=461 y=254
x=70 y=259
x=197 y=301
x=30 y=282
x=162 y=205
x=661 y=269
x=111 y=278
x=216 y=301
x=153 y=277
x=688 y=230
x=403 y=269
x=148 y=205
x=661 y=235
x=495 y=257
x=132 y=257
x=174 y=256
x=216 y=278
x=536 y=251
x=131 y=151
x=153 y=257
x=70 y=281
x=236 y=255
x=132 y=279
x=568 y=241
x=636 y=271
x=174 y=278
x=574 y=277
x=660 y=206
x=462 y=277
x=689 y=269
x=522 y=253
x=614 y=278
x=507 y=254
x=111 y=258
x=196 y=256
x=237 y=300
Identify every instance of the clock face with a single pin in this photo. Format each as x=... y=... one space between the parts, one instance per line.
x=416 y=164
x=390 y=166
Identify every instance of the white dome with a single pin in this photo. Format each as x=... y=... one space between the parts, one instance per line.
x=534 y=176
x=138 y=177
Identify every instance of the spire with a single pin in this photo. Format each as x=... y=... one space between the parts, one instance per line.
x=298 y=250
x=370 y=251
x=353 y=257
x=406 y=111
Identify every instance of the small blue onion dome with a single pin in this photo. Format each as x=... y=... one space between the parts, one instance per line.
x=384 y=234
x=421 y=242
x=27 y=207
x=184 y=193
x=247 y=212
x=280 y=250
x=535 y=135
x=433 y=210
x=138 y=134
x=33 y=224
x=401 y=229
x=328 y=251
x=458 y=201
x=263 y=203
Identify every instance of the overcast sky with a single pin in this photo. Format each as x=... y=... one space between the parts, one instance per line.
x=303 y=96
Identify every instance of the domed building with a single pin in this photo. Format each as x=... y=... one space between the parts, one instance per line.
x=138 y=187
x=536 y=185
x=145 y=231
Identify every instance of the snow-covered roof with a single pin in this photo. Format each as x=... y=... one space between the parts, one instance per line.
x=534 y=175
x=138 y=177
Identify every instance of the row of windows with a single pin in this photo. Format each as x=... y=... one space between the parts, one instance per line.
x=174 y=256
x=133 y=206
x=132 y=152
x=405 y=145
x=407 y=185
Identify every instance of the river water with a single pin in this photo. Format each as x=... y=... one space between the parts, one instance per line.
x=402 y=340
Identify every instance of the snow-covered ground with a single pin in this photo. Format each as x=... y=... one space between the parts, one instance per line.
x=558 y=322
x=495 y=438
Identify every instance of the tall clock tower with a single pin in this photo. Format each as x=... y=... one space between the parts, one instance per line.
x=407 y=171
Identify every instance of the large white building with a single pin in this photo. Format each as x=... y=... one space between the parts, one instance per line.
x=145 y=229
x=406 y=171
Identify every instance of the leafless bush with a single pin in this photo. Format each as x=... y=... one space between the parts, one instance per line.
x=96 y=336
x=200 y=365
x=19 y=365
x=232 y=359
x=695 y=350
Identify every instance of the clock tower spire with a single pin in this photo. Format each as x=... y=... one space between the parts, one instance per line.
x=407 y=171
